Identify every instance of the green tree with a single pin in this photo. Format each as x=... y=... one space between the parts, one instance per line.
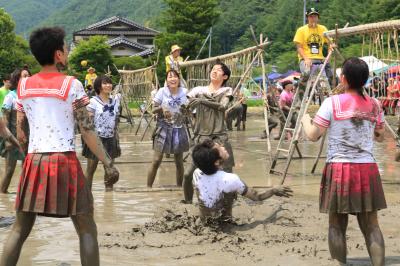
x=130 y=63
x=12 y=51
x=97 y=54
x=186 y=23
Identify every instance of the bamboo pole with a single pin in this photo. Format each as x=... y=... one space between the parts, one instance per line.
x=366 y=28
x=223 y=57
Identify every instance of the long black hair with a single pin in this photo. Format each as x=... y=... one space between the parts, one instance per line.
x=356 y=72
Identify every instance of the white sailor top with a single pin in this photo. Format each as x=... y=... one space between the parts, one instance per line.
x=105 y=114
x=48 y=101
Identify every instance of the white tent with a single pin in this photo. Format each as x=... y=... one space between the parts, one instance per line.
x=373 y=63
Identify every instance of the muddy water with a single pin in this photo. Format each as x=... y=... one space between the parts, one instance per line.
x=276 y=232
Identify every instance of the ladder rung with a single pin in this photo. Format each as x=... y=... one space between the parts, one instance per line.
x=279 y=149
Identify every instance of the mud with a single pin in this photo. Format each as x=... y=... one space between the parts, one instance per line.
x=140 y=228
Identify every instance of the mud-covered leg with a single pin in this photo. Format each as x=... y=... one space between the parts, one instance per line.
x=369 y=226
x=179 y=168
x=88 y=245
x=108 y=180
x=337 y=236
x=187 y=183
x=8 y=173
x=19 y=233
x=151 y=175
x=90 y=170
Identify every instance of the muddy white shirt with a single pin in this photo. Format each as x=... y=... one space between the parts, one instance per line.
x=211 y=188
x=351 y=122
x=51 y=120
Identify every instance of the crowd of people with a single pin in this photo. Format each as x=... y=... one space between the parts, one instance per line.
x=38 y=127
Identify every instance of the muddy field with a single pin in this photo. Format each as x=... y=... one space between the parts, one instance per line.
x=137 y=227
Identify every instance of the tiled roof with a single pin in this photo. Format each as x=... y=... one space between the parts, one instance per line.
x=114 y=32
x=114 y=19
x=145 y=52
x=123 y=40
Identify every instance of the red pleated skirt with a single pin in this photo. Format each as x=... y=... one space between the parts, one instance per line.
x=53 y=184
x=351 y=188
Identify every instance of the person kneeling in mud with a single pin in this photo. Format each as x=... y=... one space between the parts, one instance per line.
x=216 y=190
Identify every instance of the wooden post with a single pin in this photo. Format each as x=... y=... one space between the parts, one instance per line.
x=335 y=58
x=266 y=101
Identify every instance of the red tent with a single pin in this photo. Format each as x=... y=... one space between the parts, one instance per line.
x=394 y=69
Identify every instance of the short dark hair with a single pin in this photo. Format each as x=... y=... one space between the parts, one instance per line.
x=205 y=155
x=225 y=69
x=14 y=79
x=285 y=83
x=176 y=73
x=44 y=42
x=100 y=80
x=356 y=72
x=6 y=77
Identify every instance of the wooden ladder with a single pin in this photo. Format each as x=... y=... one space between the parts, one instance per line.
x=288 y=149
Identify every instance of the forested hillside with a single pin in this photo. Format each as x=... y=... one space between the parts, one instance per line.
x=28 y=13
x=277 y=19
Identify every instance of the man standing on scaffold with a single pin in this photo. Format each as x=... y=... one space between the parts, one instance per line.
x=309 y=40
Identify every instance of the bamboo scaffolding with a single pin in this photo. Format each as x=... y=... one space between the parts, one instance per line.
x=223 y=57
x=378 y=27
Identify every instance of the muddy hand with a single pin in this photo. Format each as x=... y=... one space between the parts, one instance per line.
x=283 y=191
x=112 y=175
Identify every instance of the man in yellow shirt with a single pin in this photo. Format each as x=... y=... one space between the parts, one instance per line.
x=309 y=40
x=173 y=59
x=90 y=77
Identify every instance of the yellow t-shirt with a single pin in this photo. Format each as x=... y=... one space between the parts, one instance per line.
x=172 y=63
x=312 y=40
x=90 y=78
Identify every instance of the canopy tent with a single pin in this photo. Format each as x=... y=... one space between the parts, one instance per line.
x=373 y=63
x=293 y=76
x=271 y=76
x=289 y=73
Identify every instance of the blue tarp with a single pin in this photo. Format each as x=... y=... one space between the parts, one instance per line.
x=288 y=73
x=271 y=76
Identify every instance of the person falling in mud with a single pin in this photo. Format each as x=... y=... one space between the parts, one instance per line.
x=275 y=115
x=52 y=181
x=217 y=189
x=170 y=135
x=351 y=183
x=104 y=109
x=210 y=103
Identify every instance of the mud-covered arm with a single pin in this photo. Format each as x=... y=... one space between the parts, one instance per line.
x=22 y=131
x=86 y=125
x=220 y=106
x=156 y=108
x=379 y=134
x=312 y=130
x=280 y=191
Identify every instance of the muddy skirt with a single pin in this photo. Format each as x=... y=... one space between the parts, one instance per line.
x=167 y=139
x=111 y=146
x=351 y=188
x=53 y=184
